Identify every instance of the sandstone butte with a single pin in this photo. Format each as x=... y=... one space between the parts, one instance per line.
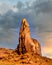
x=28 y=51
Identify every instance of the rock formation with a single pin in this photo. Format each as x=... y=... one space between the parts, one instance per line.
x=26 y=43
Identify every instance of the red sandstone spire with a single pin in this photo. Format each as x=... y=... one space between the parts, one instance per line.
x=26 y=43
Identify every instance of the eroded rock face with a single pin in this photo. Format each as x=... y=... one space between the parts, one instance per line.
x=26 y=43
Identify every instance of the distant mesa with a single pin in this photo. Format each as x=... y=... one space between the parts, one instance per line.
x=26 y=43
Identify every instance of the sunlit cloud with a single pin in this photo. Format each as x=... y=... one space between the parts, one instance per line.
x=47 y=43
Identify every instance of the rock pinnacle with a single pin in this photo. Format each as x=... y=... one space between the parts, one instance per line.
x=26 y=43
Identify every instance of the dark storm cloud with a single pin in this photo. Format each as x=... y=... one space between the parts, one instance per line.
x=42 y=14
x=11 y=19
x=38 y=12
x=20 y=5
x=44 y=6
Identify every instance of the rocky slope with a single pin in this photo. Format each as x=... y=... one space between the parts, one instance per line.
x=11 y=57
x=28 y=51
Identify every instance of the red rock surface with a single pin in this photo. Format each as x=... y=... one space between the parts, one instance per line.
x=11 y=57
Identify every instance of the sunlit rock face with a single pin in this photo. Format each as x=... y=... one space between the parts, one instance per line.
x=26 y=43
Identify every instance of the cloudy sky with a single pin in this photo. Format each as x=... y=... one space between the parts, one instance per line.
x=39 y=15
